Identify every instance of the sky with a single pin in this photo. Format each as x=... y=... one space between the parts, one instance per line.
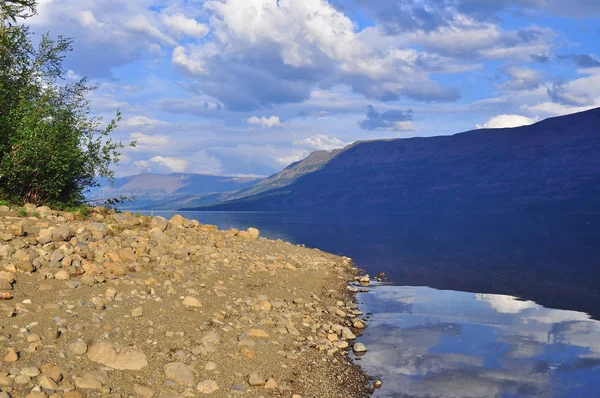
x=246 y=87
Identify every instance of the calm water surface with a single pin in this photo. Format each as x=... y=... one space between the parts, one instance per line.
x=505 y=313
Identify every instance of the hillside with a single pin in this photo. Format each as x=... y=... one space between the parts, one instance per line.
x=553 y=165
x=154 y=191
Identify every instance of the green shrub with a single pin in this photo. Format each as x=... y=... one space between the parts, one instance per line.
x=51 y=147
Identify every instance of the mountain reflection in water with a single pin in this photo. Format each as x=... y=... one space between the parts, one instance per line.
x=429 y=343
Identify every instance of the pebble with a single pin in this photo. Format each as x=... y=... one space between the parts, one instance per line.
x=78 y=348
x=192 y=302
x=207 y=387
x=137 y=312
x=254 y=379
x=11 y=356
x=179 y=373
x=210 y=366
x=359 y=348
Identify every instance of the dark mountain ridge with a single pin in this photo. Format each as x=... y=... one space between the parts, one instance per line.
x=553 y=165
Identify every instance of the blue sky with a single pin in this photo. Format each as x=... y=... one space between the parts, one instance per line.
x=245 y=87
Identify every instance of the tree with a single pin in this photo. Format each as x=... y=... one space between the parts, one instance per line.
x=51 y=148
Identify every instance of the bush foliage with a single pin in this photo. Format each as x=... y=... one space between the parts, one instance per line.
x=51 y=147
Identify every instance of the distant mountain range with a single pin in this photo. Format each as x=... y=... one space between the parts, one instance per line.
x=171 y=191
x=553 y=165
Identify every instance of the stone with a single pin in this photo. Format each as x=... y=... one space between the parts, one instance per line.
x=364 y=280
x=52 y=333
x=31 y=371
x=255 y=380
x=44 y=211
x=6 y=251
x=270 y=384
x=254 y=233
x=45 y=236
x=191 y=302
x=347 y=334
x=377 y=384
x=24 y=266
x=176 y=221
x=91 y=380
x=62 y=234
x=62 y=275
x=22 y=380
x=245 y=235
x=47 y=383
x=78 y=348
x=17 y=228
x=137 y=312
x=36 y=394
x=258 y=333
x=210 y=366
x=179 y=373
x=359 y=324
x=11 y=356
x=359 y=348
x=207 y=387
x=159 y=222
x=5 y=381
x=73 y=394
x=143 y=391
x=112 y=356
x=5 y=285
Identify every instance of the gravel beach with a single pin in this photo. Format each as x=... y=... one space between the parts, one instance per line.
x=122 y=305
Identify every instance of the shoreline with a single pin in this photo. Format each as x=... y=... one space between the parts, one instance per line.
x=202 y=311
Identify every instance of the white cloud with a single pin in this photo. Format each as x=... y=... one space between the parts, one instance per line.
x=320 y=142
x=193 y=63
x=507 y=121
x=506 y=304
x=142 y=121
x=521 y=78
x=144 y=140
x=264 y=121
x=160 y=164
x=88 y=19
x=140 y=23
x=183 y=25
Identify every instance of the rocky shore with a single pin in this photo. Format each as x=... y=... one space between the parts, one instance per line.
x=119 y=305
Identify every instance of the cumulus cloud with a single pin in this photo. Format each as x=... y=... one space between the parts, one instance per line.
x=560 y=93
x=183 y=25
x=267 y=52
x=521 y=78
x=392 y=120
x=320 y=142
x=264 y=121
x=160 y=164
x=146 y=141
x=507 y=121
x=582 y=60
x=142 y=121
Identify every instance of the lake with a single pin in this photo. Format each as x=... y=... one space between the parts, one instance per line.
x=481 y=305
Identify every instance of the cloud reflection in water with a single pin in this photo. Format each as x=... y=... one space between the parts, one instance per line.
x=428 y=343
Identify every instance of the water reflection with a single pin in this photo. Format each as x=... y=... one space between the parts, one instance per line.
x=429 y=343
